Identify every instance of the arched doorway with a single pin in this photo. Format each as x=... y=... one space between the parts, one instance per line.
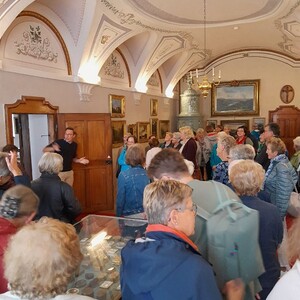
x=18 y=116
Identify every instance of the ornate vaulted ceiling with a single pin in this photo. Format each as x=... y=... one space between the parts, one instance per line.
x=165 y=35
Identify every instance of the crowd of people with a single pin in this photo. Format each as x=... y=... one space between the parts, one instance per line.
x=253 y=168
x=178 y=186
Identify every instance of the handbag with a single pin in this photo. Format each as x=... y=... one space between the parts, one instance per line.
x=294 y=203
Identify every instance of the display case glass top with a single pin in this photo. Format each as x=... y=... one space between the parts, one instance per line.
x=101 y=240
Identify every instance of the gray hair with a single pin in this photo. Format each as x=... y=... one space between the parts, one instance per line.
x=51 y=163
x=245 y=151
x=4 y=171
x=161 y=197
x=296 y=142
x=176 y=135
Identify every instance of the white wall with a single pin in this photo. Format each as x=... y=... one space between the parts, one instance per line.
x=38 y=132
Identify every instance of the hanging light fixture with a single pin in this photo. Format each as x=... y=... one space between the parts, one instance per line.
x=206 y=85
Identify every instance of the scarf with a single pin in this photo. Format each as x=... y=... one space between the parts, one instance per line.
x=164 y=228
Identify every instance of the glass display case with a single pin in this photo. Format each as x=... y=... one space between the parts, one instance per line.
x=101 y=240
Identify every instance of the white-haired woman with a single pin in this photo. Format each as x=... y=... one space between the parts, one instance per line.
x=40 y=261
x=189 y=145
x=295 y=159
x=57 y=198
x=247 y=176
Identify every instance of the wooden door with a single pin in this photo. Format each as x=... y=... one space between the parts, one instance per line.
x=93 y=182
x=288 y=118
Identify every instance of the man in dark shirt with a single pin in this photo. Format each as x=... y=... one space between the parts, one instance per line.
x=67 y=148
x=271 y=130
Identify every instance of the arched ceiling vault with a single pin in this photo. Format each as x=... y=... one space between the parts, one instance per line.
x=166 y=35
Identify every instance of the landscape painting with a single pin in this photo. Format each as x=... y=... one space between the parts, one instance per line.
x=236 y=98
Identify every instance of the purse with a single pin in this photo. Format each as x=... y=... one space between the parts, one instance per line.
x=294 y=203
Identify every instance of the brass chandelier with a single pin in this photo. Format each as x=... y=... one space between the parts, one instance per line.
x=205 y=85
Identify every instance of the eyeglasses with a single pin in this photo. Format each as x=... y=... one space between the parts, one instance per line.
x=193 y=209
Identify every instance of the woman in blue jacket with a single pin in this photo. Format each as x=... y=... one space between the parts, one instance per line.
x=131 y=183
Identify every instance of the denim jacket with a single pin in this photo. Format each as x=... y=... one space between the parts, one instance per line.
x=131 y=184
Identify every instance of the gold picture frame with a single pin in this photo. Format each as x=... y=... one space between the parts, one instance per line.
x=143 y=131
x=118 y=131
x=235 y=98
x=154 y=127
x=234 y=124
x=164 y=126
x=117 y=106
x=132 y=128
x=153 y=107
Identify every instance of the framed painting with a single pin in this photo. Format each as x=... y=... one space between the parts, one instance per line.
x=234 y=124
x=154 y=127
x=118 y=131
x=143 y=131
x=153 y=107
x=214 y=123
x=132 y=129
x=258 y=121
x=235 y=98
x=164 y=126
x=117 y=106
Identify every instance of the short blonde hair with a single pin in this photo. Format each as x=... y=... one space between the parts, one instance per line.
x=176 y=135
x=296 y=142
x=227 y=142
x=187 y=131
x=50 y=163
x=41 y=258
x=161 y=197
x=247 y=177
x=170 y=134
x=276 y=144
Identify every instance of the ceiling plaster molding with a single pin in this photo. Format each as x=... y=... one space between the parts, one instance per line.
x=244 y=54
x=85 y=91
x=55 y=31
x=130 y=19
x=167 y=47
x=107 y=34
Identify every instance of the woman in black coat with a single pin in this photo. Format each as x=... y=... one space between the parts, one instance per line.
x=57 y=198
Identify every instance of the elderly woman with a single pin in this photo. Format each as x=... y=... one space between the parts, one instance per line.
x=280 y=176
x=242 y=133
x=176 y=140
x=223 y=148
x=18 y=207
x=214 y=158
x=153 y=151
x=131 y=184
x=166 y=264
x=57 y=198
x=201 y=158
x=295 y=159
x=168 y=141
x=157 y=266
x=40 y=261
x=247 y=176
x=189 y=145
x=288 y=286
x=279 y=183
